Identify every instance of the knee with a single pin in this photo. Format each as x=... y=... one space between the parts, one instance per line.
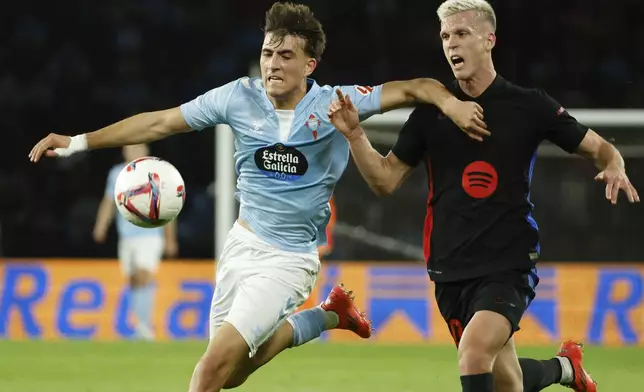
x=474 y=360
x=216 y=365
x=140 y=278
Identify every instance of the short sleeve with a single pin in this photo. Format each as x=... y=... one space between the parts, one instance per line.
x=209 y=109
x=411 y=144
x=560 y=127
x=365 y=98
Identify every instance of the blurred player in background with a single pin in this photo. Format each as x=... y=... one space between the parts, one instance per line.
x=289 y=158
x=481 y=242
x=139 y=250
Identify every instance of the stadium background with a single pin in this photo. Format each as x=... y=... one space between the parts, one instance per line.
x=71 y=67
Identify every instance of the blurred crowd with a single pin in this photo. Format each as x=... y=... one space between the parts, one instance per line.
x=75 y=66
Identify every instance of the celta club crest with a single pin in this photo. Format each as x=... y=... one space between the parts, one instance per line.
x=313 y=123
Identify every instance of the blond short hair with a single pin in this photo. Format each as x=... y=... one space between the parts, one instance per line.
x=482 y=7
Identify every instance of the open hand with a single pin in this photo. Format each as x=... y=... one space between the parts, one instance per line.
x=45 y=146
x=344 y=116
x=616 y=179
x=468 y=116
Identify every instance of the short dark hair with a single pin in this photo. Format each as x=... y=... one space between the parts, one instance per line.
x=284 y=19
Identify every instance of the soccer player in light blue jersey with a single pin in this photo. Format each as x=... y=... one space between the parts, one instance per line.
x=288 y=159
x=139 y=250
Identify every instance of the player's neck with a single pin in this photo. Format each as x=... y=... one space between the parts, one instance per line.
x=290 y=101
x=479 y=82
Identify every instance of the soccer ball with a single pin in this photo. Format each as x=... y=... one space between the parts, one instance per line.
x=149 y=192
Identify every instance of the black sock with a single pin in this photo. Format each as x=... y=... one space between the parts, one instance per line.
x=538 y=375
x=478 y=383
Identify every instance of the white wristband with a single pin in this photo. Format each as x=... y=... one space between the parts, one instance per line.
x=76 y=144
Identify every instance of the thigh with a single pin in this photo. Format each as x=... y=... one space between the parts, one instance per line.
x=265 y=300
x=227 y=280
x=507 y=370
x=148 y=252
x=486 y=333
x=452 y=299
x=508 y=294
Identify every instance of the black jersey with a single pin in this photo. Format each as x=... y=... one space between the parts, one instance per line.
x=478 y=211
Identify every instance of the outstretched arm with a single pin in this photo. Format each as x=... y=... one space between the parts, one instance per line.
x=406 y=93
x=610 y=163
x=141 y=128
x=204 y=111
x=566 y=132
x=467 y=115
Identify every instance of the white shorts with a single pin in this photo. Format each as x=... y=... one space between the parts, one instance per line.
x=258 y=286
x=140 y=253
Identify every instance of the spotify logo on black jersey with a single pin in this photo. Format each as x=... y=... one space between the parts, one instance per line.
x=480 y=179
x=281 y=162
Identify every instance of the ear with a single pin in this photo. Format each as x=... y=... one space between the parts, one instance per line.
x=311 y=64
x=491 y=41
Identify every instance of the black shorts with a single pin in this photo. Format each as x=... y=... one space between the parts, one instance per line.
x=507 y=293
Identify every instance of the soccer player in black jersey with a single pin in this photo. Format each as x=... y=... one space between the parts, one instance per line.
x=481 y=242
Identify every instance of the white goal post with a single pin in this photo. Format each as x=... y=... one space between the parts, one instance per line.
x=225 y=178
x=623 y=118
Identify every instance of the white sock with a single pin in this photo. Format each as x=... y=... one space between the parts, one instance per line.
x=567 y=372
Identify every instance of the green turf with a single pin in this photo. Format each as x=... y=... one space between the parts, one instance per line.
x=166 y=367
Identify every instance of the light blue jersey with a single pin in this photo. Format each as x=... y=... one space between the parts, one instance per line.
x=124 y=228
x=285 y=179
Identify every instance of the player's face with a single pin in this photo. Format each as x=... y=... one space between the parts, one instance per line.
x=284 y=65
x=135 y=151
x=467 y=43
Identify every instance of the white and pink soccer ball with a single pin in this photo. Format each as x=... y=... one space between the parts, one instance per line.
x=149 y=192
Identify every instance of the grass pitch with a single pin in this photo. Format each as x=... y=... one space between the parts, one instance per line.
x=166 y=367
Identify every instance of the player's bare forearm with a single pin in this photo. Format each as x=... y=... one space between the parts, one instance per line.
x=406 y=93
x=383 y=174
x=608 y=156
x=104 y=218
x=171 y=242
x=369 y=162
x=170 y=231
x=602 y=153
x=141 y=128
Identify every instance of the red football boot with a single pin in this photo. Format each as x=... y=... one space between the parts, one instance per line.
x=582 y=381
x=340 y=301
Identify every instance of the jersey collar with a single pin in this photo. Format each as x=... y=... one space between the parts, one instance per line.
x=312 y=91
x=496 y=86
x=312 y=88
